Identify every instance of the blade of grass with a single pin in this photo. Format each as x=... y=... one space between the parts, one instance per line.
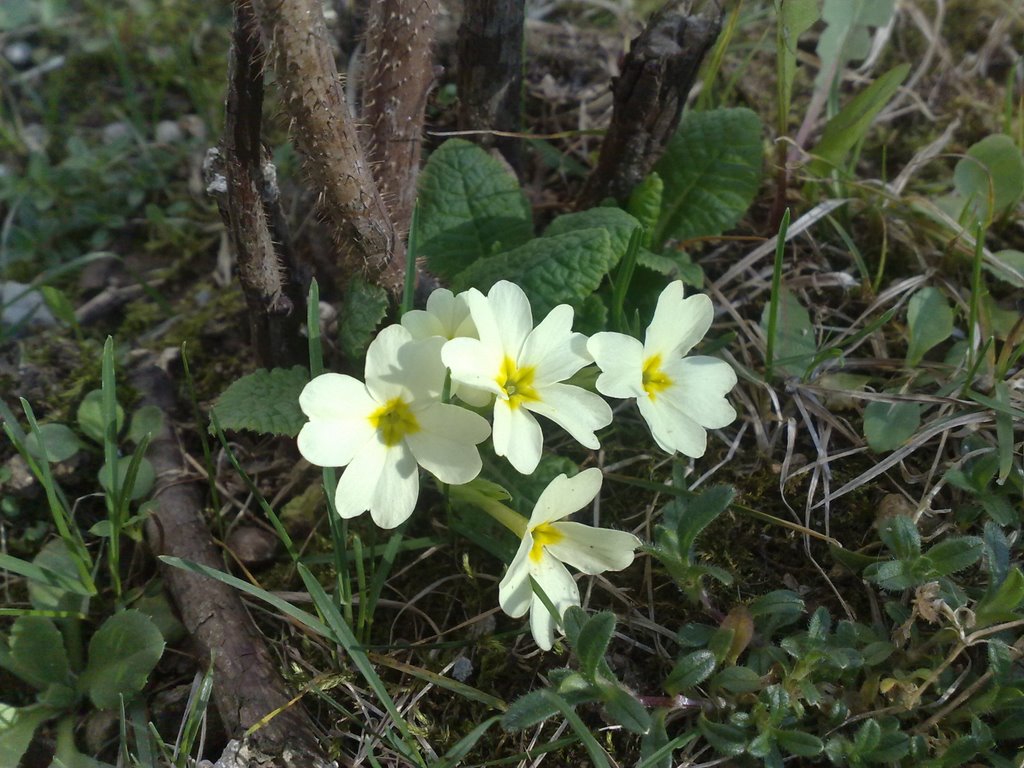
x=344 y=636
x=108 y=384
x=465 y=691
x=623 y=277
x=380 y=575
x=598 y=757
x=465 y=745
x=773 y=308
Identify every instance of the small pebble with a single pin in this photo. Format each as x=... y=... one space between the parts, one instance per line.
x=19 y=305
x=36 y=137
x=462 y=669
x=19 y=54
x=253 y=546
x=168 y=132
x=115 y=132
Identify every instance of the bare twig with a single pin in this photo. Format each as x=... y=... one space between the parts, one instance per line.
x=247 y=685
x=399 y=74
x=314 y=100
x=250 y=207
x=657 y=74
x=490 y=71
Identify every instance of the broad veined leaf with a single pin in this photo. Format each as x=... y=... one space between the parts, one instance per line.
x=711 y=171
x=122 y=653
x=470 y=207
x=264 y=401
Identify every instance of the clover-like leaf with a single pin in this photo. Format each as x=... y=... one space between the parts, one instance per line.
x=122 y=653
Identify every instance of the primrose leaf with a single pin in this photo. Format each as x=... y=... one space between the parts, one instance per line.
x=711 y=171
x=645 y=204
x=122 y=653
x=470 y=207
x=931 y=322
x=362 y=310
x=264 y=401
x=561 y=269
x=889 y=425
x=615 y=221
x=991 y=177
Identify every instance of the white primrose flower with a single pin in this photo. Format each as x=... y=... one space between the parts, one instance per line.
x=386 y=427
x=549 y=542
x=447 y=315
x=524 y=367
x=679 y=398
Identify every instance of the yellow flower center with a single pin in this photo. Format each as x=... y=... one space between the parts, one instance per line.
x=543 y=534
x=654 y=378
x=517 y=383
x=393 y=421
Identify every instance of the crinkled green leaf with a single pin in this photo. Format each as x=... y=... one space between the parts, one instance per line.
x=853 y=121
x=799 y=743
x=363 y=308
x=264 y=401
x=122 y=653
x=887 y=426
x=562 y=269
x=728 y=740
x=712 y=170
x=645 y=205
x=470 y=207
x=617 y=222
x=990 y=178
x=930 y=320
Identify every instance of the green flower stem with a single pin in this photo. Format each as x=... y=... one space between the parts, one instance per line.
x=507 y=517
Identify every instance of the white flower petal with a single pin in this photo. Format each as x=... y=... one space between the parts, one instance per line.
x=558 y=586
x=473 y=363
x=593 y=550
x=445 y=444
x=620 y=359
x=334 y=442
x=678 y=323
x=699 y=385
x=565 y=495
x=503 y=318
x=382 y=479
x=422 y=324
x=399 y=366
x=672 y=429
x=515 y=593
x=517 y=436
x=575 y=410
x=474 y=396
x=335 y=396
x=553 y=349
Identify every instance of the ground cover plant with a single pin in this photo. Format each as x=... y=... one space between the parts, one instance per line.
x=607 y=384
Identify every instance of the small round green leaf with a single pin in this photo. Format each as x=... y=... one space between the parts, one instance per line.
x=122 y=653
x=58 y=440
x=887 y=426
x=90 y=416
x=148 y=420
x=144 y=478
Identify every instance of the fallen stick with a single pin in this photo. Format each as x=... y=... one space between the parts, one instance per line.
x=246 y=683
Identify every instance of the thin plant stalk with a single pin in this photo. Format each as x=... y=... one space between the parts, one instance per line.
x=773 y=307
